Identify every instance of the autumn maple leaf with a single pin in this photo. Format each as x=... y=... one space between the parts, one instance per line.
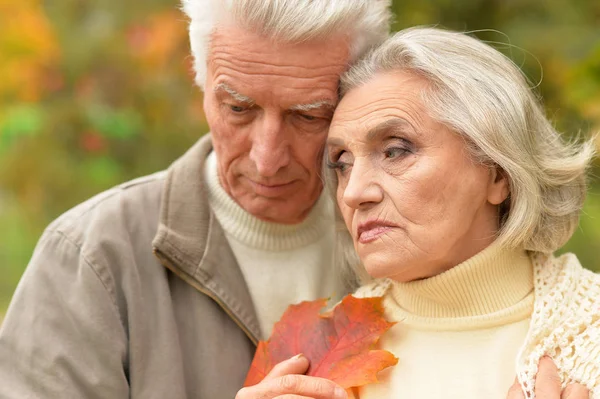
x=338 y=345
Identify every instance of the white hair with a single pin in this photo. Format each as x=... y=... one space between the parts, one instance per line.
x=483 y=96
x=367 y=22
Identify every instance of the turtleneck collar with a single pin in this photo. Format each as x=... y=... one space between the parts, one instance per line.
x=494 y=281
x=255 y=233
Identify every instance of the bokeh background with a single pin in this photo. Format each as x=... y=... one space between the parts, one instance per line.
x=93 y=93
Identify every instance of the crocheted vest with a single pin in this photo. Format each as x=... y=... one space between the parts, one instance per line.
x=565 y=324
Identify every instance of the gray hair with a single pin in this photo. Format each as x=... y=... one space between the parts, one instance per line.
x=483 y=96
x=367 y=22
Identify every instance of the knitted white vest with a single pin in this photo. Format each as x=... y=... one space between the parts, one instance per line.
x=565 y=324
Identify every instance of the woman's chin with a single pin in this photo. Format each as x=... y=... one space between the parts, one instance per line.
x=383 y=265
x=379 y=265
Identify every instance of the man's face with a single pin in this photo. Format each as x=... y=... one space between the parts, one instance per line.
x=269 y=106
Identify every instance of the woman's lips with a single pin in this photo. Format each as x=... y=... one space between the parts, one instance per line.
x=372 y=230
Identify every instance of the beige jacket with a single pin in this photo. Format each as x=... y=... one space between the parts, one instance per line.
x=132 y=294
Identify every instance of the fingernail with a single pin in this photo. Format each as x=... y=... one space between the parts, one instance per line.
x=297 y=357
x=340 y=393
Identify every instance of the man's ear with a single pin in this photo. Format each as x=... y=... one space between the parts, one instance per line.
x=498 y=187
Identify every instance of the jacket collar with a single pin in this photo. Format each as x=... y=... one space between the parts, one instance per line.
x=191 y=243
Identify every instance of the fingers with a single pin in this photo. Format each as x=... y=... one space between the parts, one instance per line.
x=294 y=365
x=515 y=391
x=547 y=381
x=575 y=391
x=286 y=381
x=293 y=384
x=548 y=385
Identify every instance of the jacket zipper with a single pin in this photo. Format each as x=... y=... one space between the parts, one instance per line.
x=169 y=265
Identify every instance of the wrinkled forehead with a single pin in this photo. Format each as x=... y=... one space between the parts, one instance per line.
x=259 y=54
x=257 y=66
x=385 y=97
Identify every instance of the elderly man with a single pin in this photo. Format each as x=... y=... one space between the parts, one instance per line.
x=161 y=287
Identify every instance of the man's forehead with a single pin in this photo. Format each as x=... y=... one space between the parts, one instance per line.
x=231 y=33
x=255 y=69
x=245 y=49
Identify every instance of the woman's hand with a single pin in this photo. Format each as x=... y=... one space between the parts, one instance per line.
x=547 y=385
x=286 y=380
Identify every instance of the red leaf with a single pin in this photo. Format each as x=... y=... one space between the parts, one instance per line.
x=339 y=346
x=92 y=142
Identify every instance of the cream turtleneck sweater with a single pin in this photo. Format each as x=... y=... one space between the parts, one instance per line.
x=458 y=333
x=282 y=264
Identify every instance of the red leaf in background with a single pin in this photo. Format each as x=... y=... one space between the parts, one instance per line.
x=92 y=142
x=339 y=346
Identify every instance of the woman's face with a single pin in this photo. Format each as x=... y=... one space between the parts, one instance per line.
x=414 y=201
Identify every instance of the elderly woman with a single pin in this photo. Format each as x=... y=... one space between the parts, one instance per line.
x=455 y=190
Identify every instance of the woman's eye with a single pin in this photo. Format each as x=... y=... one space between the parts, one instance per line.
x=338 y=166
x=342 y=164
x=395 y=152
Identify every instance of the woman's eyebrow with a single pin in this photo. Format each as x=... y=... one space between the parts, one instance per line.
x=376 y=132
x=334 y=141
x=382 y=128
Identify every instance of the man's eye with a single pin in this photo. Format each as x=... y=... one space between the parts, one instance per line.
x=237 y=108
x=308 y=117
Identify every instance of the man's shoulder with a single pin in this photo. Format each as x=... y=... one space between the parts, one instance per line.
x=130 y=206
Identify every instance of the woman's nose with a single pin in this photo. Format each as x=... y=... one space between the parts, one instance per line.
x=362 y=188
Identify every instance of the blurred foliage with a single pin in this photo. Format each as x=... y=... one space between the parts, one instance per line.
x=96 y=93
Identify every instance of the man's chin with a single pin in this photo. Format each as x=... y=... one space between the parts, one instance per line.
x=275 y=210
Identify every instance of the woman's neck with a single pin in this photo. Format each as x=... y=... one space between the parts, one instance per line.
x=492 y=280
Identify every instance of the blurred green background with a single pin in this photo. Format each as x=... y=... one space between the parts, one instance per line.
x=93 y=93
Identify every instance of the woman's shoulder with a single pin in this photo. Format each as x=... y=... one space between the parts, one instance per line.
x=565 y=323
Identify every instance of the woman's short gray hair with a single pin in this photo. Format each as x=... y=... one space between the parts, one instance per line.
x=367 y=22
x=482 y=95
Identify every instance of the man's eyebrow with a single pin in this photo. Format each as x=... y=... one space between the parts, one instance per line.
x=386 y=126
x=236 y=96
x=320 y=104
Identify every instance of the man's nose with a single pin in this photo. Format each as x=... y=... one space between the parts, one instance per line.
x=362 y=188
x=270 y=147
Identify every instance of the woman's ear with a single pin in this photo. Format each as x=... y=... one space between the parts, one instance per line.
x=498 y=187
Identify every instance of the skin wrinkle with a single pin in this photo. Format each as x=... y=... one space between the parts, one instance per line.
x=268 y=154
x=411 y=111
x=312 y=85
x=276 y=74
x=444 y=205
x=247 y=63
x=246 y=59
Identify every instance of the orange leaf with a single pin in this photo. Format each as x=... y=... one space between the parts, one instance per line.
x=339 y=346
